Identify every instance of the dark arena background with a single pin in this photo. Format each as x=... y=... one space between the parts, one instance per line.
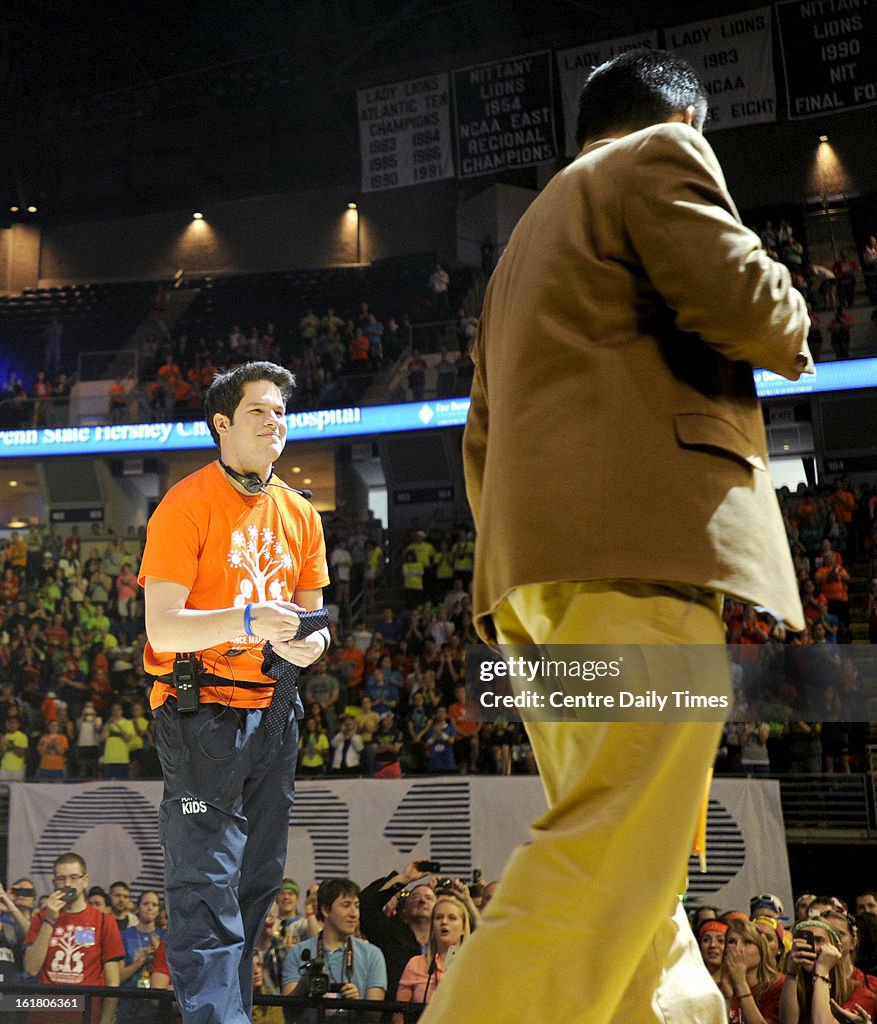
x=329 y=184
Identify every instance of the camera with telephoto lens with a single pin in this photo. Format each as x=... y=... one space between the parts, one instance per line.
x=318 y=981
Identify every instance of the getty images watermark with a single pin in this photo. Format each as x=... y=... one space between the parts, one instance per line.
x=666 y=682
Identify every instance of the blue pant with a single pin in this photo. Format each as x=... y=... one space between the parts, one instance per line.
x=228 y=791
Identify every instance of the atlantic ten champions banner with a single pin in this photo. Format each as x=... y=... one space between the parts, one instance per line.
x=504 y=112
x=363 y=828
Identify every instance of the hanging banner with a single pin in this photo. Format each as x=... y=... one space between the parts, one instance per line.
x=745 y=847
x=829 y=57
x=362 y=828
x=505 y=115
x=732 y=56
x=573 y=66
x=405 y=133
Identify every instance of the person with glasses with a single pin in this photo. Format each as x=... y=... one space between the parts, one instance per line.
x=72 y=943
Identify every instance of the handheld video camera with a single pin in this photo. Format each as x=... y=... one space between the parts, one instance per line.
x=312 y=969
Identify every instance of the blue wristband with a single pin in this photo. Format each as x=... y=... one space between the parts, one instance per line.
x=248 y=626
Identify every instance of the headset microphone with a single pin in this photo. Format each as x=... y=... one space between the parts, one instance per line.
x=304 y=492
x=252 y=483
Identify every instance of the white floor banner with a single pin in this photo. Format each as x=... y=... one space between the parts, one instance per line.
x=363 y=828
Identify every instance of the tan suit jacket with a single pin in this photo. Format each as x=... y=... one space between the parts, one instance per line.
x=614 y=430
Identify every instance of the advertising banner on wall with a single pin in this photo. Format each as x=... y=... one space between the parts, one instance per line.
x=573 y=66
x=504 y=114
x=405 y=133
x=733 y=57
x=829 y=56
x=362 y=828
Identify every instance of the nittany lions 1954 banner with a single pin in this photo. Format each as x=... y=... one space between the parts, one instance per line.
x=504 y=115
x=363 y=828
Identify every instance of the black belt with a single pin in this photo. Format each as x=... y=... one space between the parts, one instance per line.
x=206 y=679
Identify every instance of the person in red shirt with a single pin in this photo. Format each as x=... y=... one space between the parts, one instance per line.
x=466 y=745
x=819 y=974
x=9 y=586
x=750 y=978
x=72 y=943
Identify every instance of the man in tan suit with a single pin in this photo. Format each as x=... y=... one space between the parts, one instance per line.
x=616 y=464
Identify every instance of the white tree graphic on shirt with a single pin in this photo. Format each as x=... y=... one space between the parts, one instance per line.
x=262 y=557
x=67 y=964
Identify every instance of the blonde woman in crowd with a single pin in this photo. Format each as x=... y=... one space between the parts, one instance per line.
x=448 y=930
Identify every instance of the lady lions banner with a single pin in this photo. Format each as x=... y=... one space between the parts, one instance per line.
x=361 y=828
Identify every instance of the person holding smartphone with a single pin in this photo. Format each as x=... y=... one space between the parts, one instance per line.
x=72 y=943
x=820 y=985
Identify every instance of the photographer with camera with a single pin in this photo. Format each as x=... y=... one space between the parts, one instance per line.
x=72 y=943
x=336 y=962
x=404 y=932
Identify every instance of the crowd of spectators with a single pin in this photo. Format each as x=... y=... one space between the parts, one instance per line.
x=74 y=698
x=334 y=358
x=338 y=355
x=388 y=698
x=335 y=355
x=827 y=289
x=396 y=936
x=776 y=726
x=816 y=968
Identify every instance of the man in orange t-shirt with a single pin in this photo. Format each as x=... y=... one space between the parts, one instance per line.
x=228 y=565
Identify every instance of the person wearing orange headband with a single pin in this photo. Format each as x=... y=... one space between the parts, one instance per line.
x=711 y=940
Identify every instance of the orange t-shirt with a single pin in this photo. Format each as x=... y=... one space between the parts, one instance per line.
x=229 y=549
x=49 y=760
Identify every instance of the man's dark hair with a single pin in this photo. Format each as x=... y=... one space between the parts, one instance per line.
x=331 y=890
x=120 y=885
x=225 y=393
x=637 y=89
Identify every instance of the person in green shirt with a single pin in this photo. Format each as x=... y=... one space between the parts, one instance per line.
x=115 y=736
x=13 y=745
